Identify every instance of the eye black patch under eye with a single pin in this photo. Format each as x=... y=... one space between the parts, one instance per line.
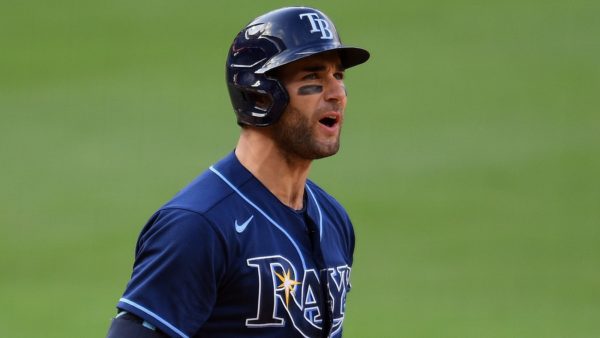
x=310 y=89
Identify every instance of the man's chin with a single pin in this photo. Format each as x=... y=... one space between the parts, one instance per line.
x=327 y=150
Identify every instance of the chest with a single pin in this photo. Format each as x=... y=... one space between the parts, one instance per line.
x=285 y=271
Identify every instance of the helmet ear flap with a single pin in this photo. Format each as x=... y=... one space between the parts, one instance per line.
x=261 y=105
x=258 y=99
x=281 y=99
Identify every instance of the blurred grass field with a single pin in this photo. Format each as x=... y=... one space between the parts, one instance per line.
x=470 y=158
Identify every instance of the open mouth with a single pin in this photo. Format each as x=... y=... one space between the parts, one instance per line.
x=328 y=121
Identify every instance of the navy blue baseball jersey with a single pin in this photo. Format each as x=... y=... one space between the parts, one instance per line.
x=225 y=258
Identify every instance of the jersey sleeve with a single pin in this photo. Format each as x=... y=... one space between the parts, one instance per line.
x=180 y=258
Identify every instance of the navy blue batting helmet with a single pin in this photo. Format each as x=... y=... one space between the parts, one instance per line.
x=269 y=42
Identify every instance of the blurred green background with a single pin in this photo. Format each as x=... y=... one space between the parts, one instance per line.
x=470 y=158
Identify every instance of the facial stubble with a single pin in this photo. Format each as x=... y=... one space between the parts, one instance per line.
x=295 y=135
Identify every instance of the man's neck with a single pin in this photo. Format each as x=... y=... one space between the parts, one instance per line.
x=284 y=175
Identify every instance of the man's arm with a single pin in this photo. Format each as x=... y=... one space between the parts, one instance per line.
x=127 y=325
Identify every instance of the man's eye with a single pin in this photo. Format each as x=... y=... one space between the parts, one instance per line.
x=339 y=76
x=311 y=76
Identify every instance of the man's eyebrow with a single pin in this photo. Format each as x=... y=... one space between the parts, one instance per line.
x=314 y=68
x=320 y=68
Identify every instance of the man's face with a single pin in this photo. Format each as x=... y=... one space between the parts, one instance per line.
x=311 y=125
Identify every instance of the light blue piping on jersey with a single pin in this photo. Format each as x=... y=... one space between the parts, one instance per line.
x=267 y=216
x=320 y=214
x=154 y=315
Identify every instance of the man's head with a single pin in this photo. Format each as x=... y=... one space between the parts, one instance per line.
x=311 y=125
x=267 y=44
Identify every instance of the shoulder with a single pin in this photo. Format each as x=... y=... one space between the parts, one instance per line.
x=335 y=223
x=210 y=188
x=205 y=204
x=200 y=195
x=322 y=205
x=325 y=199
x=180 y=230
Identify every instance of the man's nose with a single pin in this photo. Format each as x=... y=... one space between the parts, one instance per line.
x=335 y=90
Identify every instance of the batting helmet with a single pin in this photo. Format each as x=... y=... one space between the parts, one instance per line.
x=271 y=41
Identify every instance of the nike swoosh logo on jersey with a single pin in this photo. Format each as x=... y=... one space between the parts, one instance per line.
x=241 y=227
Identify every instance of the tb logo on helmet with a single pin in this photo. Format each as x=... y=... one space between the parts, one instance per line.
x=318 y=25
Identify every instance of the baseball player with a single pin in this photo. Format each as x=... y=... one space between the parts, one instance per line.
x=251 y=247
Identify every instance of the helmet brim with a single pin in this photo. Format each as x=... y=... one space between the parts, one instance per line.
x=349 y=56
